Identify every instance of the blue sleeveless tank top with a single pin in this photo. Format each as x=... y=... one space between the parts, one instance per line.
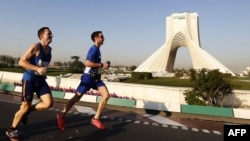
x=42 y=60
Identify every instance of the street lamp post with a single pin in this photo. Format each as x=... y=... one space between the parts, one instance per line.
x=18 y=56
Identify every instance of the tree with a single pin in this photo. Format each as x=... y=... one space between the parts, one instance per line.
x=209 y=87
x=76 y=66
x=132 y=68
x=7 y=61
x=75 y=58
x=58 y=64
x=180 y=72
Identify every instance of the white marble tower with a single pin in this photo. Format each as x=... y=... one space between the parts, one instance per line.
x=182 y=31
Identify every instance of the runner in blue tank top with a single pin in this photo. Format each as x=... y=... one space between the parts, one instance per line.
x=90 y=79
x=35 y=61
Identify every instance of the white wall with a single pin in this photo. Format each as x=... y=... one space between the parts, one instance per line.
x=10 y=77
x=162 y=94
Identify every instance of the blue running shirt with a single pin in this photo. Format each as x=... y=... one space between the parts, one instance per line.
x=94 y=55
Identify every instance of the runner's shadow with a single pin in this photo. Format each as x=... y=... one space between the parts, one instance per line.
x=51 y=126
x=102 y=135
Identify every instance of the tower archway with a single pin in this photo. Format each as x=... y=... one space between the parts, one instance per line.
x=182 y=31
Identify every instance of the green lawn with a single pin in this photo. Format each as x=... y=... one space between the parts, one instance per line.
x=176 y=82
x=51 y=72
x=161 y=81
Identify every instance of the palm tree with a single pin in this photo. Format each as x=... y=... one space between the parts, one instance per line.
x=76 y=58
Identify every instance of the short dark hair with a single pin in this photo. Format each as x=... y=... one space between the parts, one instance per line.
x=95 y=34
x=41 y=30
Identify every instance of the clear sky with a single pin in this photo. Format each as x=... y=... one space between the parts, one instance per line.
x=133 y=29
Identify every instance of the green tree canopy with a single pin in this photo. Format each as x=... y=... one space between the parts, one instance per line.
x=209 y=87
x=76 y=66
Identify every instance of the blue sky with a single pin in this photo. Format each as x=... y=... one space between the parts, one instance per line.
x=133 y=29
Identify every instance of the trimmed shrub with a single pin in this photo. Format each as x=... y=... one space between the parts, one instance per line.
x=142 y=75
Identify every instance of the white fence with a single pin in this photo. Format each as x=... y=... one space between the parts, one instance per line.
x=161 y=94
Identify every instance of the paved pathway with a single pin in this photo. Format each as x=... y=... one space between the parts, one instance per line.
x=121 y=125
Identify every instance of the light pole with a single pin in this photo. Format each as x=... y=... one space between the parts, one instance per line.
x=18 y=56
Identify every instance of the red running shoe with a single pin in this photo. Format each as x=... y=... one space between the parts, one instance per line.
x=60 y=121
x=12 y=134
x=97 y=123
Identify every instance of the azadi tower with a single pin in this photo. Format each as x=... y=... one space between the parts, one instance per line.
x=182 y=31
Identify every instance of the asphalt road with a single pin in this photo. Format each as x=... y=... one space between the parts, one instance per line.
x=122 y=126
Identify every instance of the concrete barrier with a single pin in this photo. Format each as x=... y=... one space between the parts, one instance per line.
x=10 y=76
x=144 y=93
x=207 y=110
x=7 y=87
x=162 y=106
x=119 y=102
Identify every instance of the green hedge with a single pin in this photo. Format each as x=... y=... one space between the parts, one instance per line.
x=142 y=75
